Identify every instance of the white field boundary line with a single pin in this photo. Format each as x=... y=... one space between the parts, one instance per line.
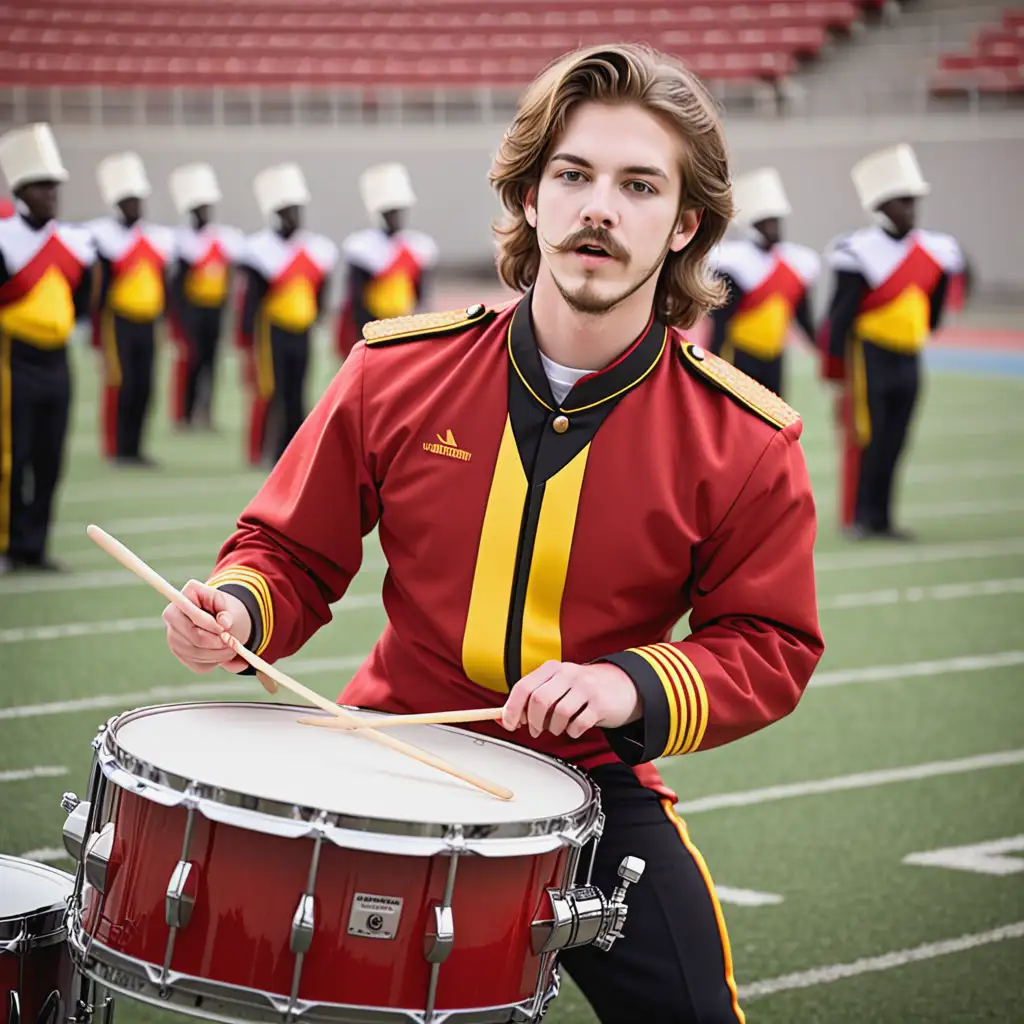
x=857 y=780
x=886 y=962
x=315 y=666
x=363 y=602
x=140 y=525
x=43 y=771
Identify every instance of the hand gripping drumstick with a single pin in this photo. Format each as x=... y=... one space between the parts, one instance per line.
x=132 y=561
x=427 y=718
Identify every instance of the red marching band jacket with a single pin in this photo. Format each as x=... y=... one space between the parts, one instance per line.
x=518 y=531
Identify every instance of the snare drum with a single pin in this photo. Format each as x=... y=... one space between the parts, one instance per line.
x=35 y=968
x=243 y=867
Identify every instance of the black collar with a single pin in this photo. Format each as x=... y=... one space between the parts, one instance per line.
x=601 y=386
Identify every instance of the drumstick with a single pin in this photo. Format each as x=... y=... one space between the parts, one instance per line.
x=427 y=718
x=132 y=561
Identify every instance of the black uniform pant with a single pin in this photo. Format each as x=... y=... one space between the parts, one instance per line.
x=203 y=327
x=888 y=394
x=765 y=371
x=35 y=399
x=290 y=353
x=673 y=964
x=136 y=347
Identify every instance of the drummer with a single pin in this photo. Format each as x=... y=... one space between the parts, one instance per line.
x=556 y=484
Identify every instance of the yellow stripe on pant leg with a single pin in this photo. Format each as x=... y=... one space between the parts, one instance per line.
x=698 y=859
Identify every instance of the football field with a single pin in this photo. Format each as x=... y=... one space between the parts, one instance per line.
x=869 y=850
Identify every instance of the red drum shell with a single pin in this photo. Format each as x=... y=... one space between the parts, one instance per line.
x=248 y=887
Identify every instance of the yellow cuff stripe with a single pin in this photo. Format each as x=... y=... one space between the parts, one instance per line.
x=700 y=722
x=257 y=585
x=687 y=696
x=672 y=696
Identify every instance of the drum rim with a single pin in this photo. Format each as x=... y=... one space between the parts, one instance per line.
x=580 y=823
x=45 y=925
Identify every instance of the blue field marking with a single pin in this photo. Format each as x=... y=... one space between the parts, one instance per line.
x=988 y=362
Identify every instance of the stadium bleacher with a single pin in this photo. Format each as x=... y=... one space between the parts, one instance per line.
x=396 y=43
x=994 y=63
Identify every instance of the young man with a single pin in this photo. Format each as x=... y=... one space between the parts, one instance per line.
x=768 y=281
x=286 y=274
x=387 y=263
x=555 y=486
x=199 y=291
x=133 y=259
x=888 y=296
x=44 y=286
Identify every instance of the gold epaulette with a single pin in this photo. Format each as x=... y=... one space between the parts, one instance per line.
x=424 y=325
x=756 y=397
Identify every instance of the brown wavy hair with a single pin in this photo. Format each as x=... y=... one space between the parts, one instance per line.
x=620 y=73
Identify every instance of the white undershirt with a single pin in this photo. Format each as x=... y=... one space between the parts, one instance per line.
x=561 y=378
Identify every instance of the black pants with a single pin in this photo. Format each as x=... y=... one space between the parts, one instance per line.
x=890 y=388
x=672 y=965
x=765 y=371
x=136 y=346
x=35 y=399
x=202 y=325
x=288 y=406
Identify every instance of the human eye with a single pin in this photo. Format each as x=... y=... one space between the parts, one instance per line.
x=571 y=176
x=641 y=188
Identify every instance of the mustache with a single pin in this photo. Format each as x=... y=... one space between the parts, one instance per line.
x=591 y=236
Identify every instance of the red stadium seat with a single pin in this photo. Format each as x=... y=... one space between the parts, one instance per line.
x=398 y=43
x=994 y=64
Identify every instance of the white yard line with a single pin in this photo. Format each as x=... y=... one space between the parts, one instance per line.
x=72 y=630
x=141 y=698
x=746 y=897
x=108 y=579
x=164 y=487
x=46 y=855
x=152 y=524
x=103 y=579
x=884 y=556
x=955 y=509
x=858 y=780
x=873 y=964
x=313 y=666
x=918 y=669
x=360 y=602
x=917 y=595
x=45 y=771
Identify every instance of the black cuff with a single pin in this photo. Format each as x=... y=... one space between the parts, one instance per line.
x=647 y=737
x=248 y=598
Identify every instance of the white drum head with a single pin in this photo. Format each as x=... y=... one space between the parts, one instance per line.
x=261 y=750
x=28 y=888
